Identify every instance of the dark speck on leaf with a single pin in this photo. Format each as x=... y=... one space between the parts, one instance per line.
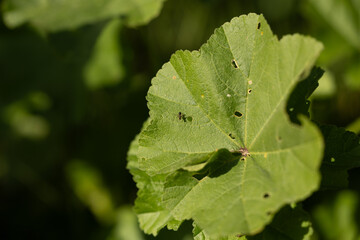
x=234 y=63
x=238 y=114
x=182 y=116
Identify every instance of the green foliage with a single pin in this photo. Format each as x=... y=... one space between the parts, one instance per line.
x=338 y=218
x=342 y=152
x=206 y=106
x=89 y=187
x=19 y=115
x=152 y=215
x=127 y=225
x=74 y=77
x=345 y=15
x=55 y=15
x=290 y=223
x=104 y=67
x=354 y=126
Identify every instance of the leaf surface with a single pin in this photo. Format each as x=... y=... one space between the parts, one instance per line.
x=151 y=214
x=290 y=223
x=209 y=105
x=56 y=15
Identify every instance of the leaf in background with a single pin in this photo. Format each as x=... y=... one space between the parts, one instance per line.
x=24 y=118
x=290 y=223
x=343 y=16
x=104 y=68
x=152 y=216
x=337 y=219
x=354 y=126
x=56 y=15
x=126 y=227
x=230 y=95
x=90 y=189
x=352 y=76
x=342 y=152
x=327 y=86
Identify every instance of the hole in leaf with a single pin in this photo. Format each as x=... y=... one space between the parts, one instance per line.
x=238 y=114
x=234 y=63
x=242 y=159
x=266 y=195
x=249 y=91
x=332 y=159
x=259 y=25
x=232 y=137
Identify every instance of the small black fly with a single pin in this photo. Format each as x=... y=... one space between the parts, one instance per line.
x=182 y=116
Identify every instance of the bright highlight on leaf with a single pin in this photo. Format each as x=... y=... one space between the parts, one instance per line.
x=240 y=159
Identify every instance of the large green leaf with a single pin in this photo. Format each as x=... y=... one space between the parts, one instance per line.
x=207 y=106
x=55 y=15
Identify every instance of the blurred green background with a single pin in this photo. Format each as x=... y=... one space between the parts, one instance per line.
x=71 y=101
